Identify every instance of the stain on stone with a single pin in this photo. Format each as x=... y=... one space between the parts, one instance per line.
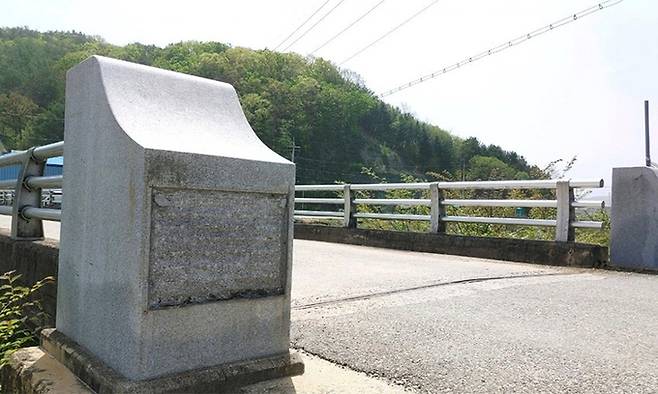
x=168 y=170
x=161 y=200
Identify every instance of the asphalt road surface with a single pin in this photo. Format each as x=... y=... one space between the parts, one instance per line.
x=437 y=323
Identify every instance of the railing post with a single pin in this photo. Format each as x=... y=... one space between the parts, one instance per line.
x=566 y=214
x=21 y=227
x=349 y=209
x=437 y=225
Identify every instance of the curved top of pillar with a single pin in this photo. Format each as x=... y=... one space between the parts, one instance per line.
x=171 y=111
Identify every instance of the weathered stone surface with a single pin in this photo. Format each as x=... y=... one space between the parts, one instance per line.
x=634 y=224
x=248 y=235
x=155 y=274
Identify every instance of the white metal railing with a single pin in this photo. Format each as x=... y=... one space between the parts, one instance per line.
x=23 y=198
x=565 y=203
x=26 y=199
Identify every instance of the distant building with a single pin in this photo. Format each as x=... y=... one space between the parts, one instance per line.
x=53 y=167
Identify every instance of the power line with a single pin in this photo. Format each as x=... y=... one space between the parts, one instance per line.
x=505 y=45
x=357 y=53
x=348 y=27
x=300 y=26
x=313 y=26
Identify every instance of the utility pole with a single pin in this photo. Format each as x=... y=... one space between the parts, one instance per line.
x=463 y=169
x=647 y=149
x=293 y=148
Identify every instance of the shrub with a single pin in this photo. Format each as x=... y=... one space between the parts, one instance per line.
x=21 y=314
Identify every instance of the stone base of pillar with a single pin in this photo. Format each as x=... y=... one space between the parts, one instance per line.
x=19 y=375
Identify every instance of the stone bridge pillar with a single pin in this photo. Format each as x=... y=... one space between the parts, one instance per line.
x=634 y=226
x=176 y=237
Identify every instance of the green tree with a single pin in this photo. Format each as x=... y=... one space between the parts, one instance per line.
x=338 y=124
x=17 y=113
x=485 y=168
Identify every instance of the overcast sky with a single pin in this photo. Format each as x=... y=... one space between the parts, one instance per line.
x=577 y=90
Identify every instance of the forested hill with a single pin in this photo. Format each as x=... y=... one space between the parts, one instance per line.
x=339 y=126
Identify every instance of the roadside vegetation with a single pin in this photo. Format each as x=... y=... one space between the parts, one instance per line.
x=555 y=170
x=21 y=314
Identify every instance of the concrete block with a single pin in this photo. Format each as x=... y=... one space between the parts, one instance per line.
x=30 y=370
x=176 y=233
x=634 y=222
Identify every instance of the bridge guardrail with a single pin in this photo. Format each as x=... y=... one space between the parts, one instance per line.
x=31 y=188
x=565 y=203
x=26 y=202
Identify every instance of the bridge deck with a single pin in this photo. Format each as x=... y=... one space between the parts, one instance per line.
x=438 y=322
x=443 y=323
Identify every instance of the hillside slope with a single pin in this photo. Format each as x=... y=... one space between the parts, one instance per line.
x=339 y=126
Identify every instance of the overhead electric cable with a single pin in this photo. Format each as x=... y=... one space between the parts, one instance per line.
x=357 y=53
x=505 y=45
x=300 y=26
x=347 y=27
x=313 y=26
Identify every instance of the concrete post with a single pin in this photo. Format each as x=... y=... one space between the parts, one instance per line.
x=565 y=212
x=349 y=208
x=21 y=227
x=176 y=237
x=437 y=225
x=634 y=221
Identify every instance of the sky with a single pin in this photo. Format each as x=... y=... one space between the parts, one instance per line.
x=576 y=91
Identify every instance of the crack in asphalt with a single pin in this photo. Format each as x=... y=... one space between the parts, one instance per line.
x=422 y=287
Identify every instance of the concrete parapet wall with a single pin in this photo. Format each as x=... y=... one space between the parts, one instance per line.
x=527 y=251
x=33 y=260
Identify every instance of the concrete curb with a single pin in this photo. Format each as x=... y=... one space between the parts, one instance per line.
x=567 y=254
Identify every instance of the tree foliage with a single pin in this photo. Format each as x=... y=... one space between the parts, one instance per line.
x=338 y=125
